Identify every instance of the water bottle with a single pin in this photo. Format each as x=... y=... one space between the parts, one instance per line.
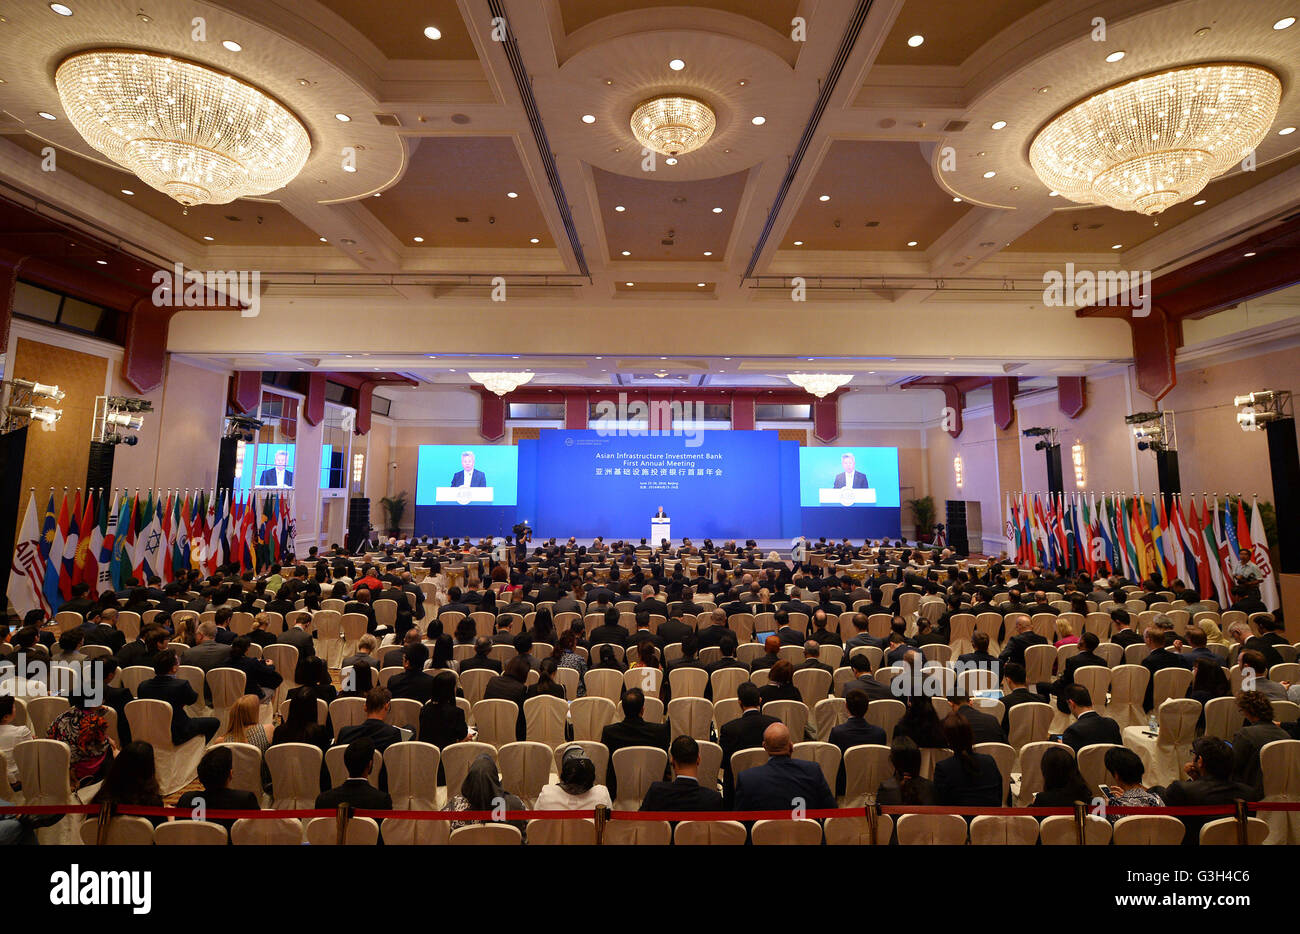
x=1152 y=725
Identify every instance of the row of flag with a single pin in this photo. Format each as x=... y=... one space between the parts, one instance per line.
x=1136 y=536
x=104 y=544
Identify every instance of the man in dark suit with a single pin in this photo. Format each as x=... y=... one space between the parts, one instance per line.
x=979 y=657
x=1159 y=657
x=1089 y=726
x=411 y=682
x=985 y=728
x=1124 y=634
x=1024 y=637
x=689 y=657
x=612 y=631
x=360 y=603
x=356 y=789
x=674 y=630
x=788 y=634
x=216 y=769
x=1086 y=657
x=717 y=629
x=299 y=635
x=79 y=602
x=863 y=681
x=855 y=731
x=512 y=686
x=467 y=475
x=632 y=730
x=643 y=633
x=650 y=603
x=860 y=636
x=1210 y=782
x=684 y=792
x=374 y=728
x=482 y=646
x=165 y=686
x=812 y=651
x=280 y=474
x=744 y=732
x=783 y=780
x=100 y=628
x=850 y=476
x=1015 y=691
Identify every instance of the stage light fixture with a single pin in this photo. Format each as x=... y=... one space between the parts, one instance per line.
x=123 y=420
x=1261 y=407
x=40 y=389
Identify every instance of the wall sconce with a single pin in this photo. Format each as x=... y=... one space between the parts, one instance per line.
x=1080 y=473
x=958 y=470
x=358 y=465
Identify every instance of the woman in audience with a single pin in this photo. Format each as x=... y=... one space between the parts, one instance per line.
x=84 y=727
x=566 y=656
x=780 y=683
x=302 y=725
x=1126 y=789
x=763 y=604
x=184 y=632
x=608 y=659
x=546 y=683
x=132 y=779
x=906 y=786
x=968 y=778
x=466 y=631
x=921 y=724
x=243 y=724
x=442 y=721
x=1065 y=634
x=487 y=603
x=543 y=627
x=1208 y=682
x=442 y=659
x=1079 y=604
x=357 y=679
x=340 y=590
x=577 y=789
x=313 y=678
x=1212 y=633
x=1063 y=783
x=481 y=791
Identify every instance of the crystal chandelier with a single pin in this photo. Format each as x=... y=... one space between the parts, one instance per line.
x=198 y=135
x=1154 y=141
x=819 y=384
x=501 y=383
x=672 y=124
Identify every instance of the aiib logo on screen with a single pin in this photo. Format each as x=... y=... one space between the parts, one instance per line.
x=637 y=419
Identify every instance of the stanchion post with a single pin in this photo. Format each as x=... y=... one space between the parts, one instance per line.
x=343 y=815
x=602 y=818
x=872 y=820
x=1242 y=826
x=1081 y=822
x=105 y=818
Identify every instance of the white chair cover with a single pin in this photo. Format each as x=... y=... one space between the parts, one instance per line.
x=284 y=832
x=580 y=831
x=865 y=767
x=361 y=831
x=604 y=682
x=496 y=720
x=709 y=833
x=826 y=755
x=345 y=712
x=1060 y=830
x=931 y=830
x=1224 y=832
x=456 y=760
x=636 y=768
x=1163 y=755
x=886 y=714
x=637 y=832
x=397 y=832
x=176 y=766
x=412 y=770
x=1003 y=830
x=687 y=682
x=828 y=714
x=248 y=768
x=545 y=716
x=1092 y=765
x=855 y=831
x=525 y=769
x=43 y=769
x=486 y=835
x=227 y=686
x=190 y=833
x=689 y=716
x=590 y=715
x=295 y=775
x=1031 y=771
x=802 y=832
x=1148 y=830
x=338 y=771
x=794 y=714
x=1128 y=685
x=122 y=831
x=1279 y=763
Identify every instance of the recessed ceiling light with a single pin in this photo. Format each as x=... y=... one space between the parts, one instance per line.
x=323 y=240
x=1114 y=56
x=232 y=46
x=701 y=284
x=418 y=239
x=619 y=208
x=708 y=252
x=1284 y=23
x=342 y=118
x=823 y=197
x=349 y=168
x=1198 y=202
x=717 y=210
x=127 y=191
x=1116 y=246
x=534 y=240
x=1053 y=194
x=914 y=41
x=990 y=174
x=627 y=253
x=663 y=358
x=104 y=262
x=677 y=64
x=47 y=116
x=629 y=284
x=1000 y=125
x=512 y=194
x=956 y=200
x=1251 y=253
x=1286 y=131
x=798 y=243
x=588 y=118
x=376 y=195
x=432 y=32
x=207 y=238
x=600 y=358
x=671 y=160
x=759 y=120
x=65 y=11
x=911 y=243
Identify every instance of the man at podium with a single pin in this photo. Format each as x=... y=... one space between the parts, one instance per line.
x=850 y=477
x=660 y=514
x=660 y=528
x=467 y=475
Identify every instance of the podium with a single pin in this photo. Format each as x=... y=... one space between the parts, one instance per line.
x=464 y=495
x=846 y=496
x=659 y=530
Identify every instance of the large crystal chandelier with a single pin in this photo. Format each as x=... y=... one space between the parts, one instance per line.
x=501 y=383
x=1154 y=141
x=819 y=384
x=672 y=124
x=199 y=135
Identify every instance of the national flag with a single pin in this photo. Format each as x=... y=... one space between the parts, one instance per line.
x=247 y=547
x=1260 y=555
x=1013 y=543
x=71 y=538
x=54 y=561
x=1212 y=552
x=108 y=534
x=165 y=556
x=27 y=578
x=92 y=539
x=211 y=529
x=151 y=562
x=85 y=550
x=1230 y=535
x=124 y=542
x=1204 y=576
x=1222 y=557
x=1243 y=529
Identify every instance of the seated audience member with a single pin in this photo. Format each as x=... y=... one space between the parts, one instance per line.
x=11 y=734
x=482 y=791
x=512 y=686
x=132 y=780
x=261 y=634
x=979 y=656
x=243 y=724
x=1124 y=634
x=442 y=721
x=1209 y=781
x=1065 y=634
x=905 y=786
x=1199 y=650
x=165 y=686
x=411 y=682
x=1063 y=784
x=1254 y=675
x=373 y=728
x=1209 y=680
x=303 y=725
x=313 y=678
x=365 y=654
x=546 y=683
x=216 y=770
x=1126 y=788
x=920 y=723
x=684 y=792
x=1016 y=691
x=771 y=654
x=480 y=658
x=1159 y=657
x=260 y=677
x=356 y=789
x=1024 y=636
x=577 y=789
x=1259 y=731
x=863 y=681
x=967 y=778
x=780 y=685
x=984 y=726
x=783 y=780
x=632 y=730
x=1089 y=727
x=744 y=732
x=855 y=731
x=566 y=655
x=84 y=728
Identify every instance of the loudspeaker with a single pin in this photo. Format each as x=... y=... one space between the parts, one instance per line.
x=226 y=457
x=1167 y=476
x=13 y=450
x=358 y=522
x=958 y=537
x=99 y=470
x=1055 y=477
